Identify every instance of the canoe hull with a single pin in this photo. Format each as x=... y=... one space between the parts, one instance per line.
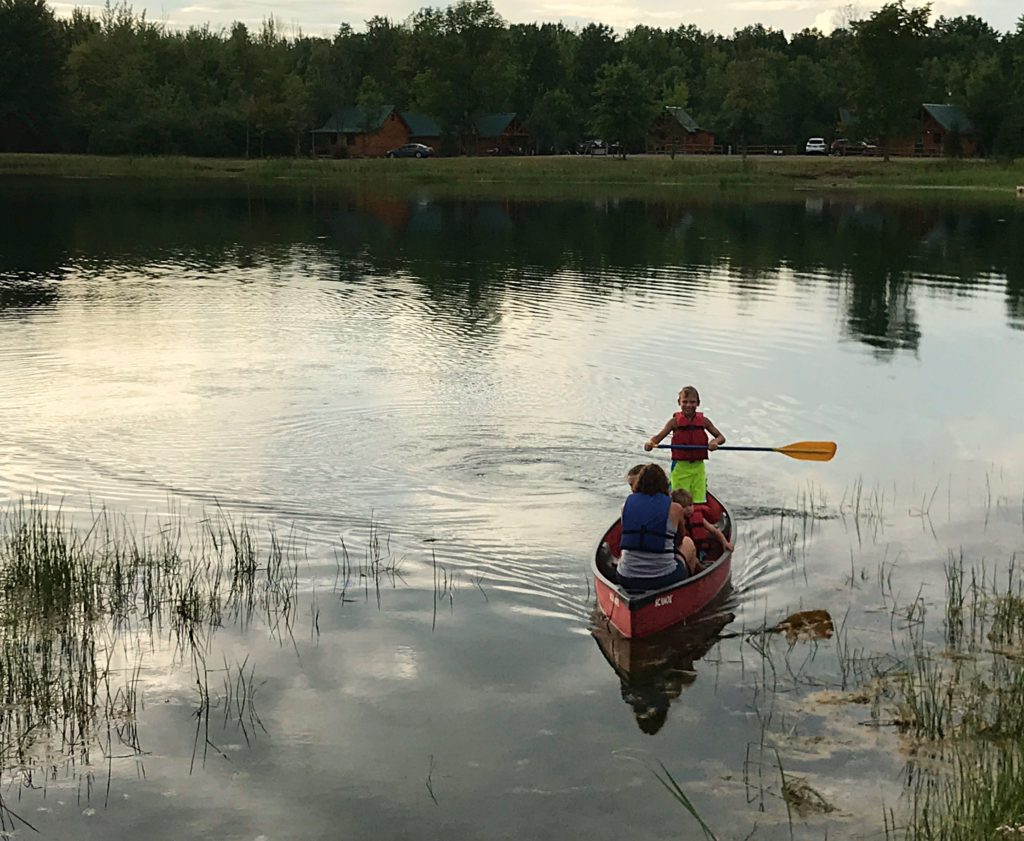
x=641 y=613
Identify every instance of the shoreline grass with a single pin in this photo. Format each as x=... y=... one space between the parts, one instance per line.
x=566 y=173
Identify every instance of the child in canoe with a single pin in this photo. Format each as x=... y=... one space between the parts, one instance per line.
x=632 y=474
x=696 y=524
x=690 y=430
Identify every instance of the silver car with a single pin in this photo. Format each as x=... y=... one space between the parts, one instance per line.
x=411 y=150
x=816 y=146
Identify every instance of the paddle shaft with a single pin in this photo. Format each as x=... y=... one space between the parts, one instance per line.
x=723 y=447
x=803 y=450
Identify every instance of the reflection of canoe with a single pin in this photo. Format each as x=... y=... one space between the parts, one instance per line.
x=655 y=670
x=637 y=613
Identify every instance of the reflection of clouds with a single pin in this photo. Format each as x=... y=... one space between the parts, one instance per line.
x=401 y=664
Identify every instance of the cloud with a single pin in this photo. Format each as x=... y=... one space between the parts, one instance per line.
x=773 y=5
x=315 y=18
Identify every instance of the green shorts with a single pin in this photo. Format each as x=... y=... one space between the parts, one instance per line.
x=691 y=476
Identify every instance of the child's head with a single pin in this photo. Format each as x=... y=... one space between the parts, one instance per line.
x=684 y=498
x=689 y=399
x=651 y=480
x=631 y=476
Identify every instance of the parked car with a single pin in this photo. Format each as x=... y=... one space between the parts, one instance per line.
x=816 y=146
x=593 y=147
x=842 y=146
x=411 y=150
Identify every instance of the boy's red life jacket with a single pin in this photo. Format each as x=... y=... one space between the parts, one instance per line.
x=695 y=528
x=712 y=510
x=689 y=431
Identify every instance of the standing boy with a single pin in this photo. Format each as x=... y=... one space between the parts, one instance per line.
x=690 y=431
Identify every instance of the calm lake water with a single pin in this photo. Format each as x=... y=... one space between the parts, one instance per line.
x=465 y=382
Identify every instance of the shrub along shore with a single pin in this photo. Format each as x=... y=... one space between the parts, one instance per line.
x=984 y=177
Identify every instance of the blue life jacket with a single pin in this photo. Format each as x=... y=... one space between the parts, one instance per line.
x=644 y=520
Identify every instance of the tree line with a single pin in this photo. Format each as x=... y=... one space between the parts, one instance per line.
x=116 y=83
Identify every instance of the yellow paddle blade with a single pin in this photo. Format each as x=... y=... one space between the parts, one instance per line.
x=809 y=450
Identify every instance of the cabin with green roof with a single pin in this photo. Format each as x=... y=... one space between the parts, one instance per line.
x=356 y=132
x=946 y=131
x=941 y=131
x=674 y=131
x=422 y=129
x=499 y=134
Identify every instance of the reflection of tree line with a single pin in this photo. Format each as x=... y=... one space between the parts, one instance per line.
x=473 y=253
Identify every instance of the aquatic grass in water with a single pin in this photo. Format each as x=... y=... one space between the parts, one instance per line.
x=962 y=706
x=953 y=699
x=677 y=792
x=79 y=605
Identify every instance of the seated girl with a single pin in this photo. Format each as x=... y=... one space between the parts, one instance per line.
x=650 y=522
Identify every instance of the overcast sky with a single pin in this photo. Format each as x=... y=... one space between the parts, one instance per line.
x=314 y=17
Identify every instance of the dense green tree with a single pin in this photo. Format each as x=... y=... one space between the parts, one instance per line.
x=758 y=39
x=372 y=102
x=675 y=90
x=553 y=122
x=888 y=88
x=115 y=83
x=624 y=105
x=32 y=52
x=543 y=55
x=750 y=98
x=596 y=46
x=805 y=104
x=471 y=72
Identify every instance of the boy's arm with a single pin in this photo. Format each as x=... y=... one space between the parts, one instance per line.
x=656 y=438
x=719 y=438
x=716 y=532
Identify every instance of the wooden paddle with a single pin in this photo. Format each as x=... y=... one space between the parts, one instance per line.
x=803 y=450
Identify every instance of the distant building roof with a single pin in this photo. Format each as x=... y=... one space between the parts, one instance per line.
x=492 y=125
x=420 y=125
x=950 y=117
x=684 y=119
x=352 y=119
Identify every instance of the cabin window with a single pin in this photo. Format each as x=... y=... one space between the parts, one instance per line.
x=350 y=139
x=938 y=138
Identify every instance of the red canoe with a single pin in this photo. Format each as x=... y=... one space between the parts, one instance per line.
x=638 y=613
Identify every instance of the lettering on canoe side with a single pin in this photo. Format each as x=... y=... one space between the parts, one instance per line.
x=664 y=600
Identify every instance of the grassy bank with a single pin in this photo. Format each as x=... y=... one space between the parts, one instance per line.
x=568 y=172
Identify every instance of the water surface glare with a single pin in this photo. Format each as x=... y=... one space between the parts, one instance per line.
x=432 y=403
